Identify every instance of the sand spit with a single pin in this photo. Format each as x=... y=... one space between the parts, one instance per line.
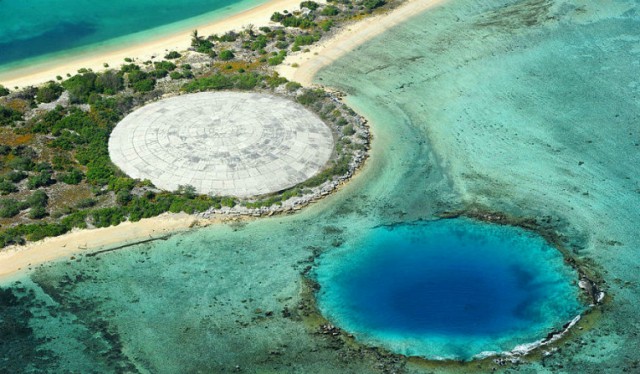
x=303 y=66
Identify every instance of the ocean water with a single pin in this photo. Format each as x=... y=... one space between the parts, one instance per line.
x=449 y=289
x=40 y=29
x=527 y=107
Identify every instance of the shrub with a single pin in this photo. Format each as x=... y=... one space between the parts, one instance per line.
x=21 y=164
x=123 y=197
x=40 y=180
x=145 y=85
x=293 y=86
x=109 y=82
x=4 y=91
x=49 y=92
x=348 y=130
x=74 y=176
x=226 y=55
x=8 y=116
x=311 y=5
x=7 y=187
x=172 y=55
x=80 y=86
x=37 y=212
x=9 y=208
x=86 y=203
x=164 y=65
x=330 y=10
x=15 y=176
x=373 y=4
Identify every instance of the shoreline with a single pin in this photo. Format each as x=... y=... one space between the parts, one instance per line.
x=19 y=258
x=346 y=39
x=44 y=71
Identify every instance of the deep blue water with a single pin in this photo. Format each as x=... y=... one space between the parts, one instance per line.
x=455 y=279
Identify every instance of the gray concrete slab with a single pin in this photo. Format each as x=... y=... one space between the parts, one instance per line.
x=222 y=143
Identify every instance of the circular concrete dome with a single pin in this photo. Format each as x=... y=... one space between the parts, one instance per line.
x=222 y=143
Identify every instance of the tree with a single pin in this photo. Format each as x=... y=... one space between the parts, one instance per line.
x=195 y=38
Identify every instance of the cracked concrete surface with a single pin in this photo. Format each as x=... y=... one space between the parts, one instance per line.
x=222 y=143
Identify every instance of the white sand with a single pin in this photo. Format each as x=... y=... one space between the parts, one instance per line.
x=346 y=40
x=48 y=70
x=16 y=258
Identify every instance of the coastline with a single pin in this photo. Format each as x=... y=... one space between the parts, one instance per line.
x=348 y=38
x=15 y=259
x=44 y=71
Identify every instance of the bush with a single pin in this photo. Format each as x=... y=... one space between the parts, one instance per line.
x=8 y=116
x=123 y=197
x=37 y=212
x=373 y=4
x=145 y=85
x=277 y=59
x=7 y=187
x=81 y=86
x=164 y=65
x=226 y=55
x=330 y=10
x=74 y=176
x=310 y=96
x=293 y=86
x=51 y=91
x=15 y=176
x=21 y=164
x=86 y=203
x=172 y=55
x=4 y=91
x=109 y=82
x=38 y=198
x=9 y=208
x=40 y=180
x=311 y=5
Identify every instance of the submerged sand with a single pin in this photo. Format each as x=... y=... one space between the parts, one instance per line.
x=14 y=259
x=303 y=66
x=18 y=258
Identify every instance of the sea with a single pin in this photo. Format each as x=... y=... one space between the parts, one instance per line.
x=528 y=108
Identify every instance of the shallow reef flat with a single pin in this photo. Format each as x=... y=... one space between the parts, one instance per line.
x=524 y=107
x=530 y=108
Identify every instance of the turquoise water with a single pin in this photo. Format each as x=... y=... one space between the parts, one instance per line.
x=528 y=107
x=447 y=289
x=32 y=30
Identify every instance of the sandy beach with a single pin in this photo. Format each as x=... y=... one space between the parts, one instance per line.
x=20 y=258
x=347 y=39
x=14 y=259
x=48 y=70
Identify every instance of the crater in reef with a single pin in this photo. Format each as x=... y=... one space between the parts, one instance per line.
x=448 y=289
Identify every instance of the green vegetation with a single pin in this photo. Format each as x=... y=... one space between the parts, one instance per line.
x=226 y=55
x=57 y=174
x=172 y=55
x=49 y=92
